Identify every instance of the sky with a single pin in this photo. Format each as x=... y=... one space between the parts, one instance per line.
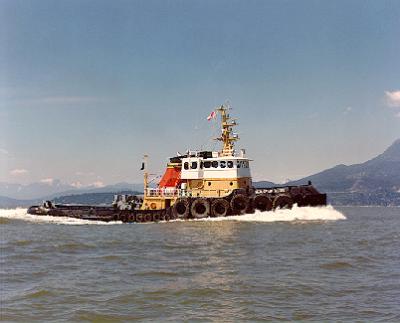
x=88 y=87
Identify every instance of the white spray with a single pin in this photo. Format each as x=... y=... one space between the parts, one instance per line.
x=325 y=213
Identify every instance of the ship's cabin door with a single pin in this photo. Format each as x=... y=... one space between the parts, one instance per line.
x=167 y=203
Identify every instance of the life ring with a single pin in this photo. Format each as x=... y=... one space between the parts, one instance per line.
x=239 y=203
x=262 y=203
x=200 y=208
x=283 y=202
x=181 y=209
x=219 y=207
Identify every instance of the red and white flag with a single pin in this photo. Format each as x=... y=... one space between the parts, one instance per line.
x=212 y=115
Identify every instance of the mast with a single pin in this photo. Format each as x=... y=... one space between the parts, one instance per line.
x=145 y=175
x=227 y=137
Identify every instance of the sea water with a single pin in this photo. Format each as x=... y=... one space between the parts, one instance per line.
x=310 y=264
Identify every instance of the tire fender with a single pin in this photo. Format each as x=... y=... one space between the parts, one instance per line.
x=200 y=208
x=219 y=207
x=239 y=203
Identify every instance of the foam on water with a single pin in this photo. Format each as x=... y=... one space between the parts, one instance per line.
x=325 y=213
x=21 y=214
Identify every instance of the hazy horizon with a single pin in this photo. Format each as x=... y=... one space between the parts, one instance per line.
x=88 y=87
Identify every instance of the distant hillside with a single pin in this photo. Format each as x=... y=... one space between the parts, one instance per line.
x=6 y=202
x=85 y=199
x=375 y=182
x=90 y=198
x=264 y=184
x=55 y=188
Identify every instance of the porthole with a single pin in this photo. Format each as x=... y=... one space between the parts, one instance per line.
x=215 y=164
x=230 y=164
x=209 y=183
x=231 y=183
x=207 y=164
x=222 y=164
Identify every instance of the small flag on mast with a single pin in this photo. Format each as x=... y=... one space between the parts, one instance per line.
x=212 y=116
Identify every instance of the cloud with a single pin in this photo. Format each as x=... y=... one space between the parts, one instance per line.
x=18 y=172
x=4 y=151
x=77 y=184
x=393 y=99
x=97 y=184
x=48 y=181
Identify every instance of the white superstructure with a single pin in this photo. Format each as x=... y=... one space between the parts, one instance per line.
x=225 y=167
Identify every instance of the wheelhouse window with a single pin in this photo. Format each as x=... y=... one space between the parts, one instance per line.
x=230 y=164
x=186 y=165
x=207 y=164
x=194 y=165
x=222 y=164
x=242 y=164
x=215 y=164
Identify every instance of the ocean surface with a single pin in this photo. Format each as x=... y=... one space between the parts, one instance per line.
x=308 y=264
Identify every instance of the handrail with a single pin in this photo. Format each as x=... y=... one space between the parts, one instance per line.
x=168 y=192
x=176 y=192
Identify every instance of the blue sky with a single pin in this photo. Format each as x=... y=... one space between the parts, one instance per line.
x=88 y=87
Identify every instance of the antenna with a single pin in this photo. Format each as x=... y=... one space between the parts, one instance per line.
x=145 y=174
x=227 y=136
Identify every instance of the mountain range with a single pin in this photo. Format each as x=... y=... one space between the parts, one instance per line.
x=56 y=188
x=374 y=182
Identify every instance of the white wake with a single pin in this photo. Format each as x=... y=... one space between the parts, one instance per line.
x=325 y=213
x=20 y=214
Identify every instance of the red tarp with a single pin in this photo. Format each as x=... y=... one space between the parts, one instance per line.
x=171 y=177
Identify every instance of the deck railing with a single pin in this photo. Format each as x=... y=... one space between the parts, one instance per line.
x=165 y=192
x=176 y=192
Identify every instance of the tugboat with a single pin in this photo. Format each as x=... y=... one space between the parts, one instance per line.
x=196 y=185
